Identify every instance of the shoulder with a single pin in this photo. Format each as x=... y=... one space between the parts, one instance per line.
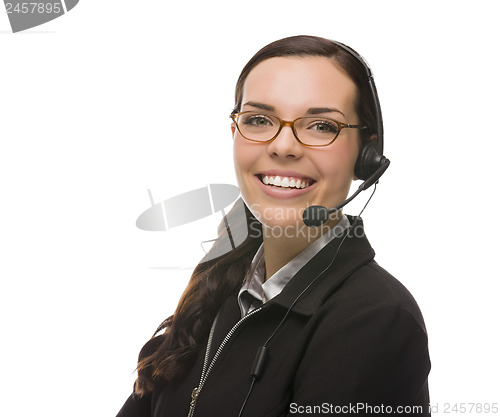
x=369 y=334
x=371 y=312
x=371 y=288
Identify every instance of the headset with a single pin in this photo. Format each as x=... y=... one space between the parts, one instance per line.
x=371 y=162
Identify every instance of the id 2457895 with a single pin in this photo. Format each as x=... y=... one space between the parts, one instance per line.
x=465 y=408
x=33 y=8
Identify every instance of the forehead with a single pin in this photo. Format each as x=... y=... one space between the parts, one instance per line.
x=292 y=84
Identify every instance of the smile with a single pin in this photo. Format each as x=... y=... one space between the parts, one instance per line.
x=285 y=182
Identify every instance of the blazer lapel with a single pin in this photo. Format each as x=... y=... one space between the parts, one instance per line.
x=320 y=276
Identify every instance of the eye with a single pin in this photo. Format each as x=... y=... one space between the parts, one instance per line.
x=324 y=126
x=257 y=120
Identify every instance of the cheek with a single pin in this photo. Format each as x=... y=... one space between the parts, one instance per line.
x=338 y=165
x=238 y=156
x=243 y=157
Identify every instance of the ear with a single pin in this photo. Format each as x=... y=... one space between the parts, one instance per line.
x=373 y=138
x=233 y=129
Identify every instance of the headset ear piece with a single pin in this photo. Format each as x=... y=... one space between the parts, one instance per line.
x=369 y=160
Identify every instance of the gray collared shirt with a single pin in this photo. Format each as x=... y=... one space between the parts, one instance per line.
x=256 y=292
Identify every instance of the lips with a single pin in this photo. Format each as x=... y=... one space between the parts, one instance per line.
x=285 y=180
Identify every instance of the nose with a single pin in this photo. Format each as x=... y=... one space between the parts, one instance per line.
x=285 y=145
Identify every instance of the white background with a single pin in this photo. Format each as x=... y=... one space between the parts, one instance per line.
x=120 y=96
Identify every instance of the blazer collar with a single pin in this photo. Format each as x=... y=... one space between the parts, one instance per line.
x=348 y=254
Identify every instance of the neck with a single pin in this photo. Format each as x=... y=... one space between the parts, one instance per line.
x=280 y=248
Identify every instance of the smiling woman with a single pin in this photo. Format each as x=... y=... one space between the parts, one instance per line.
x=319 y=319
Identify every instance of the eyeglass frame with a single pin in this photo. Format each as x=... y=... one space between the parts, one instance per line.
x=340 y=125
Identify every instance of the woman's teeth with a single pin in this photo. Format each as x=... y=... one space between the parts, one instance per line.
x=286 y=182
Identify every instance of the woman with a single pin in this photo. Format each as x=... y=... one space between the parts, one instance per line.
x=297 y=319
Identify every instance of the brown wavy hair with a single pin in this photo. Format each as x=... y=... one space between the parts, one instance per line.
x=170 y=355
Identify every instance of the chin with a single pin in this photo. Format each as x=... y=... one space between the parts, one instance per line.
x=278 y=217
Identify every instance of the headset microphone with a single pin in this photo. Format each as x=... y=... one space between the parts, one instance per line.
x=315 y=216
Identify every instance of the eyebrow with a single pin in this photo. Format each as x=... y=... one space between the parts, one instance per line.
x=259 y=105
x=312 y=110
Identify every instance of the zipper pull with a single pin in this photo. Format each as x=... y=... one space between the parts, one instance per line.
x=194 y=397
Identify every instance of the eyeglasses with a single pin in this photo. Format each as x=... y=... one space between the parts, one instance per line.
x=308 y=130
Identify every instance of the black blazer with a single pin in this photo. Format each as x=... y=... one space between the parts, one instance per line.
x=355 y=341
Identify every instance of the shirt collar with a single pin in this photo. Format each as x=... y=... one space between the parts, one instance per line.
x=330 y=268
x=254 y=287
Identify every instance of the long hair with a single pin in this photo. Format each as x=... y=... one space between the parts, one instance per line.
x=170 y=355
